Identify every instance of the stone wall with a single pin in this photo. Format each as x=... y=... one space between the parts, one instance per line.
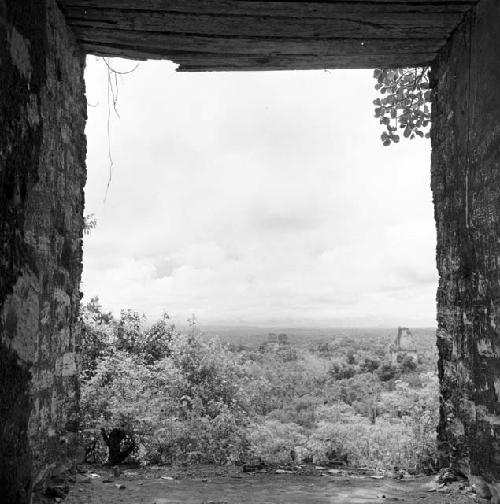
x=42 y=174
x=466 y=191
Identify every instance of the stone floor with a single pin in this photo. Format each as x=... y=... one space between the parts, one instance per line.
x=161 y=488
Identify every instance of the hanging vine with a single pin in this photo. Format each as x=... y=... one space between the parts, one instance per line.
x=405 y=103
x=112 y=105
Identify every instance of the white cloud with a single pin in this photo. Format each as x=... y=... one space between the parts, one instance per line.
x=256 y=198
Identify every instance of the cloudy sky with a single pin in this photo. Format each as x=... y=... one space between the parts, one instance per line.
x=256 y=199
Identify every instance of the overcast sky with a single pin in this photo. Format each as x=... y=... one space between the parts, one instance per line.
x=256 y=199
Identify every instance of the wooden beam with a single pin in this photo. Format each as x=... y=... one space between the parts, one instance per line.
x=258 y=34
x=231 y=61
x=355 y=25
x=169 y=42
x=315 y=9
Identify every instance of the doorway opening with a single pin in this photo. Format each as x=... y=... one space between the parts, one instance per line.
x=265 y=204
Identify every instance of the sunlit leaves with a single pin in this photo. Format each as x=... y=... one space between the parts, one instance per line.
x=405 y=103
x=89 y=223
x=190 y=398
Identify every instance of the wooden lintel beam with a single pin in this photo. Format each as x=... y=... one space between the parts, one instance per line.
x=255 y=46
x=261 y=8
x=379 y=25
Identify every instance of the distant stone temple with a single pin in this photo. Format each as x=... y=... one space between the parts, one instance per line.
x=272 y=338
x=277 y=339
x=403 y=346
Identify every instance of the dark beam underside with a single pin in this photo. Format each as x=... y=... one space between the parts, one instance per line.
x=203 y=35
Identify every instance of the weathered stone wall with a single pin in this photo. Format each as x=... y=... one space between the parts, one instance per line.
x=466 y=191
x=42 y=174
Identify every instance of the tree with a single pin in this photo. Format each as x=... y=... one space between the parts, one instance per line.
x=205 y=370
x=121 y=391
x=120 y=443
x=129 y=331
x=154 y=343
x=408 y=364
x=370 y=365
x=404 y=104
x=117 y=403
x=386 y=371
x=341 y=371
x=351 y=357
x=97 y=334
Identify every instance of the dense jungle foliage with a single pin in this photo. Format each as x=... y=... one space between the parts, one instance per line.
x=158 y=396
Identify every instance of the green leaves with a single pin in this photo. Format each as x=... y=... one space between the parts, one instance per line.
x=404 y=103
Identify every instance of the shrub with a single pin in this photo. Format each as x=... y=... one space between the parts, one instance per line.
x=273 y=441
x=164 y=397
x=115 y=398
x=187 y=406
x=196 y=439
x=379 y=446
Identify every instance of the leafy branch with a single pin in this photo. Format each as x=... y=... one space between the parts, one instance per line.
x=404 y=104
x=89 y=223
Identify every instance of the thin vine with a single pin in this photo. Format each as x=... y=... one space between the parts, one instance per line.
x=112 y=104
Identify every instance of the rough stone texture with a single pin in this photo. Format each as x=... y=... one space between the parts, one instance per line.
x=42 y=174
x=465 y=184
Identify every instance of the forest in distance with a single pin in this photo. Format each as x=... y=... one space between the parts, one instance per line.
x=425 y=337
x=155 y=394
